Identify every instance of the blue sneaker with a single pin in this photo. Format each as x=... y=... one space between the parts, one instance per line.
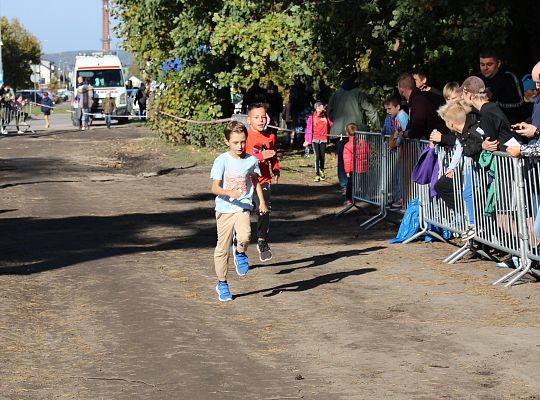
x=222 y=288
x=241 y=262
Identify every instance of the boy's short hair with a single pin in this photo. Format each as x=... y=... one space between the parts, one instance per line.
x=256 y=105
x=350 y=128
x=451 y=88
x=406 y=81
x=234 y=127
x=455 y=111
x=419 y=71
x=393 y=99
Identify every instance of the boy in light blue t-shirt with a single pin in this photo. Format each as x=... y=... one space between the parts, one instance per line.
x=399 y=120
x=235 y=178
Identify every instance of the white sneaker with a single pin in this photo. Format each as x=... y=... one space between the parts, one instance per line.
x=19 y=131
x=469 y=233
x=4 y=132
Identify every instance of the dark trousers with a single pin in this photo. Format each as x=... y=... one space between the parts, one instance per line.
x=319 y=149
x=263 y=220
x=445 y=189
x=348 y=191
x=342 y=176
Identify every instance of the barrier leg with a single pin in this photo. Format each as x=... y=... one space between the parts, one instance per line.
x=374 y=220
x=416 y=235
x=515 y=275
x=506 y=277
x=518 y=276
x=458 y=254
x=346 y=208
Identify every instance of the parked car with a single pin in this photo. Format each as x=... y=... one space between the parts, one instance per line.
x=29 y=95
x=64 y=94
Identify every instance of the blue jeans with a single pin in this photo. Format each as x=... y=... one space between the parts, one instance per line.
x=108 y=120
x=468 y=192
x=85 y=117
x=342 y=176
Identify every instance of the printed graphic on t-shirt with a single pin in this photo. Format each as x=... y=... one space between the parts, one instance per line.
x=236 y=183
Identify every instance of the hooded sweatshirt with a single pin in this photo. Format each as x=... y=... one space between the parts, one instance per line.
x=350 y=104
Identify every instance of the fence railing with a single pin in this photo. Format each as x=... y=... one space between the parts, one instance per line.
x=16 y=120
x=500 y=201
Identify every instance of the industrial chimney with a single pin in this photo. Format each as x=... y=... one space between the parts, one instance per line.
x=106 y=45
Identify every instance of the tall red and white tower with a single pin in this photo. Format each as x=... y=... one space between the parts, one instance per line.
x=106 y=41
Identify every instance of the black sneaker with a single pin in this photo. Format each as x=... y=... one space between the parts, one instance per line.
x=265 y=253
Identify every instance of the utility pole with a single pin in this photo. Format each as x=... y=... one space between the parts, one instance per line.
x=106 y=40
x=1 y=65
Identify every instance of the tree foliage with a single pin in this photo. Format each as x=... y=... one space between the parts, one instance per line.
x=201 y=50
x=20 y=49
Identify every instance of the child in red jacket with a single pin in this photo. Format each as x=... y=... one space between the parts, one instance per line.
x=363 y=153
x=262 y=144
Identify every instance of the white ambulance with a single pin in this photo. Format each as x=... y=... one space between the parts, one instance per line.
x=104 y=73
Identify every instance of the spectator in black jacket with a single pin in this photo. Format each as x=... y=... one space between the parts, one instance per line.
x=502 y=87
x=496 y=127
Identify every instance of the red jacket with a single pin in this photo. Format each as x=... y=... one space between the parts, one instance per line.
x=363 y=152
x=317 y=128
x=257 y=142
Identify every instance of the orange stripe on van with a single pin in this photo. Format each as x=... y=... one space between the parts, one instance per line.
x=100 y=67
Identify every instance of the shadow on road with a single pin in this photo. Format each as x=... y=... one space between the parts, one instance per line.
x=318 y=260
x=308 y=284
x=32 y=245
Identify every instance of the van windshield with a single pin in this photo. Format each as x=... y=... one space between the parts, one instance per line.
x=102 y=77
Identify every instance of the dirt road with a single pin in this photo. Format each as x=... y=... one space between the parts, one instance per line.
x=107 y=291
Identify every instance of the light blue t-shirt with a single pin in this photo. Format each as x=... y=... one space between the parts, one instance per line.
x=235 y=174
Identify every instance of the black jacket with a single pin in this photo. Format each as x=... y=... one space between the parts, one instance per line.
x=471 y=138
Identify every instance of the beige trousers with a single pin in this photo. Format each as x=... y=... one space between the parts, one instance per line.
x=227 y=223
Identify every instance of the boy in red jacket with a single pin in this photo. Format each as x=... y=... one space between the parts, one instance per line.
x=262 y=144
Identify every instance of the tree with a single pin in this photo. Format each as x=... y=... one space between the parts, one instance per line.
x=201 y=50
x=20 y=49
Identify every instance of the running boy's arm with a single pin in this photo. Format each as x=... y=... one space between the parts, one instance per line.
x=263 y=209
x=274 y=162
x=219 y=191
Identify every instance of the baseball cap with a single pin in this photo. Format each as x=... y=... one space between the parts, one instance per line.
x=528 y=82
x=473 y=85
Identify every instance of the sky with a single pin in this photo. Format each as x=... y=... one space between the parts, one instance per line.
x=60 y=25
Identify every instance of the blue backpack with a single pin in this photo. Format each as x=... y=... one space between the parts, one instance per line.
x=409 y=224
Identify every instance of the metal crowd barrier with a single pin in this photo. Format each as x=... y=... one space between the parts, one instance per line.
x=388 y=176
x=505 y=193
x=16 y=120
x=433 y=210
x=369 y=185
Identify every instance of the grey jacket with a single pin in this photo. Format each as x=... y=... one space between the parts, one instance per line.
x=352 y=105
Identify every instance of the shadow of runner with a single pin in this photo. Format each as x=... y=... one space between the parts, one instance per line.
x=301 y=286
x=318 y=260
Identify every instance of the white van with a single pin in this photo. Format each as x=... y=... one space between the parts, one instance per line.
x=104 y=73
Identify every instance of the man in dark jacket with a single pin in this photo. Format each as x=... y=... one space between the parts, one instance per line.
x=423 y=118
x=502 y=87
